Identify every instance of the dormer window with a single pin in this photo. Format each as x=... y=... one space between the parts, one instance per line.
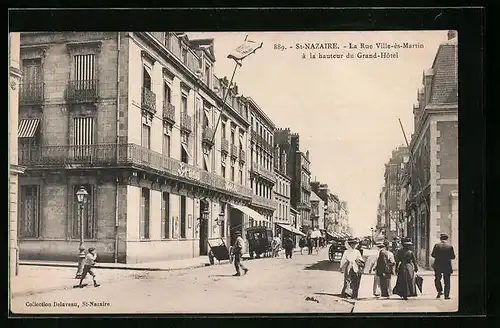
x=207 y=73
x=184 y=55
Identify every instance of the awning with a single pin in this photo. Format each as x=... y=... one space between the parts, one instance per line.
x=291 y=229
x=184 y=146
x=248 y=211
x=27 y=128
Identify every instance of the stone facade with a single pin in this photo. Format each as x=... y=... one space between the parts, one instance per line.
x=133 y=117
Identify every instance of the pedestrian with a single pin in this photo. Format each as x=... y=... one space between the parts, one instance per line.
x=275 y=245
x=442 y=253
x=395 y=245
x=406 y=267
x=376 y=278
x=238 y=253
x=302 y=244
x=310 y=245
x=288 y=247
x=88 y=264
x=384 y=269
x=352 y=265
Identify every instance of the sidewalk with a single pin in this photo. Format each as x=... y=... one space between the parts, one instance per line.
x=45 y=276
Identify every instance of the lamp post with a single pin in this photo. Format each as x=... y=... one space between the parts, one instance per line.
x=81 y=196
x=373 y=238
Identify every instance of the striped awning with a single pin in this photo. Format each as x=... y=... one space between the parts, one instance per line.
x=27 y=127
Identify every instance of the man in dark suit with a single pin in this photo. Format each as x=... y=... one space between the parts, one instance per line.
x=443 y=253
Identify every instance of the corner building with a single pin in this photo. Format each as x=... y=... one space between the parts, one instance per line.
x=131 y=117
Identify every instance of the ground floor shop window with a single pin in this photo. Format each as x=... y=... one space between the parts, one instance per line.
x=144 y=214
x=183 y=216
x=165 y=217
x=29 y=211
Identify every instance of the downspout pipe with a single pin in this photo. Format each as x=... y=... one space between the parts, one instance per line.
x=117 y=140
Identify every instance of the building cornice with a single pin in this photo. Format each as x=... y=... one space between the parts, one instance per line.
x=17 y=169
x=261 y=113
x=430 y=111
x=15 y=72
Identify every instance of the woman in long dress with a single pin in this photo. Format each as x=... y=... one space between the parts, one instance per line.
x=406 y=267
x=352 y=264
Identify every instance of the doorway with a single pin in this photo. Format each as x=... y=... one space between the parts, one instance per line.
x=203 y=228
x=235 y=224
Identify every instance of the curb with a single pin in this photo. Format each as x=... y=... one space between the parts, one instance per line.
x=68 y=265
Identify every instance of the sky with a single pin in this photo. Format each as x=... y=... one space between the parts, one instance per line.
x=345 y=110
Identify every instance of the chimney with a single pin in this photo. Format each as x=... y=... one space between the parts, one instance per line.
x=307 y=154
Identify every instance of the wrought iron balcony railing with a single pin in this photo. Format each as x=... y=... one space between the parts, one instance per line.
x=186 y=122
x=306 y=186
x=119 y=155
x=243 y=156
x=224 y=147
x=234 y=151
x=263 y=202
x=168 y=113
x=263 y=172
x=82 y=91
x=207 y=136
x=148 y=100
x=31 y=93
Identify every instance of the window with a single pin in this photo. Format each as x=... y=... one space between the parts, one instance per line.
x=184 y=103
x=31 y=89
x=232 y=137
x=146 y=136
x=207 y=74
x=144 y=214
x=223 y=170
x=223 y=129
x=241 y=176
x=83 y=136
x=166 y=144
x=87 y=213
x=167 y=94
x=232 y=173
x=183 y=216
x=29 y=212
x=84 y=71
x=184 y=154
x=165 y=217
x=184 y=55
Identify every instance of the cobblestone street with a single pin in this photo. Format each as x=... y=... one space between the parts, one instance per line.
x=272 y=285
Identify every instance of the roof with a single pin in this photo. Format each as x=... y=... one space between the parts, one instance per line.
x=444 y=87
x=315 y=197
x=261 y=112
x=207 y=44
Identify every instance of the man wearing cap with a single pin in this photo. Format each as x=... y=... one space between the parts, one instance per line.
x=376 y=278
x=88 y=263
x=384 y=268
x=238 y=253
x=443 y=253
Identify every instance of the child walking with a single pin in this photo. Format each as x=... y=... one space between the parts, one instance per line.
x=89 y=262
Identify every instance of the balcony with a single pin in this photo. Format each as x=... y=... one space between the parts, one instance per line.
x=243 y=156
x=31 y=93
x=263 y=202
x=186 y=124
x=148 y=100
x=207 y=137
x=82 y=91
x=126 y=155
x=224 y=147
x=263 y=172
x=168 y=113
x=306 y=186
x=234 y=152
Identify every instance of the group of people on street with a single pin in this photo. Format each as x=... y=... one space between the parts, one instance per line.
x=312 y=244
x=399 y=260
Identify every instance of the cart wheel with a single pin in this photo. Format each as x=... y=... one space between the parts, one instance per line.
x=331 y=255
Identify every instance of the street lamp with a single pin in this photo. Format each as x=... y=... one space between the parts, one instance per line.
x=81 y=196
x=373 y=238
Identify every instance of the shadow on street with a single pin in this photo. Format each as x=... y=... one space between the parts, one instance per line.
x=324 y=265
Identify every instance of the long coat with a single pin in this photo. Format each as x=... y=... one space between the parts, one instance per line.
x=443 y=253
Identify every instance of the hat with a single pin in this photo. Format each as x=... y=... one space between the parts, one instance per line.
x=91 y=249
x=407 y=241
x=237 y=232
x=395 y=238
x=352 y=241
x=379 y=244
x=443 y=236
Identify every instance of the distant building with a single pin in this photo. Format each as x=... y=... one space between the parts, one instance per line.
x=433 y=195
x=393 y=216
x=281 y=190
x=317 y=212
x=298 y=169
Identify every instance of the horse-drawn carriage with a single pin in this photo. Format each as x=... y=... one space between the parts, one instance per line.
x=336 y=250
x=259 y=241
